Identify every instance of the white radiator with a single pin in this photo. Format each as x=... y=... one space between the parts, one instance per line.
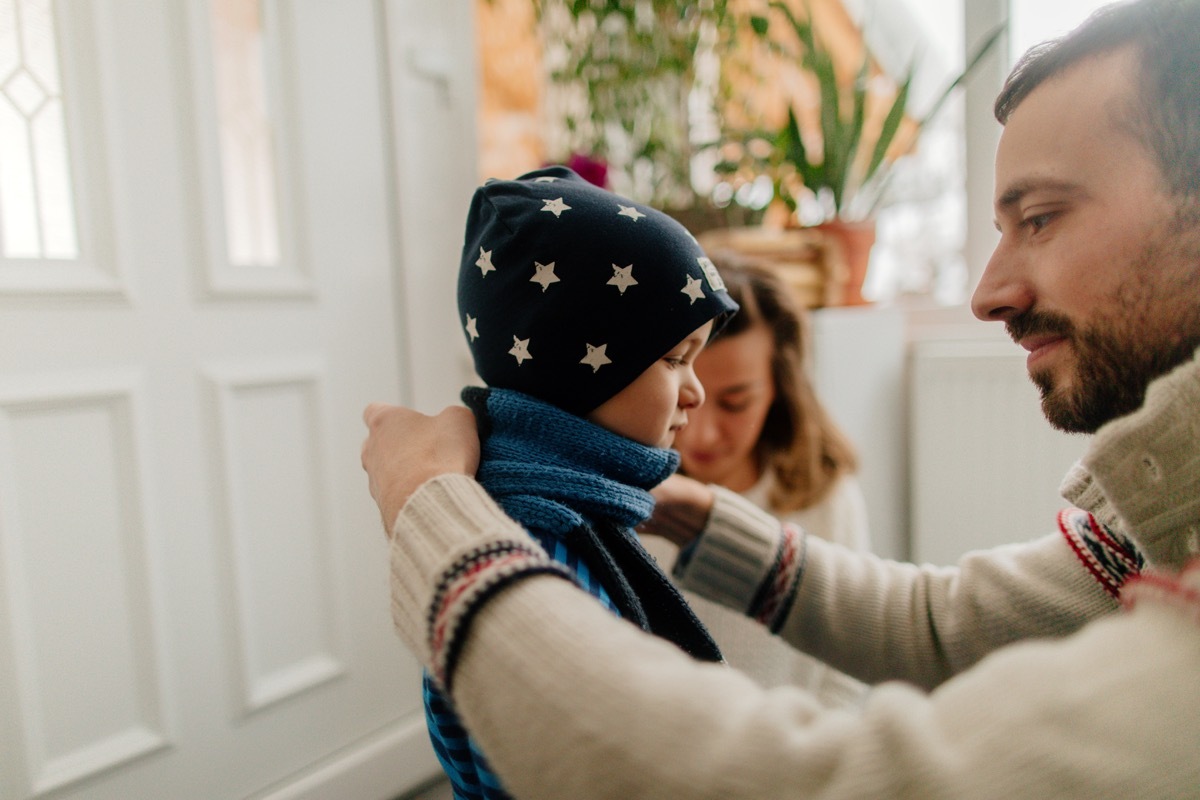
x=985 y=466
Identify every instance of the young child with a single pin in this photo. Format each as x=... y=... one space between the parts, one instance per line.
x=584 y=313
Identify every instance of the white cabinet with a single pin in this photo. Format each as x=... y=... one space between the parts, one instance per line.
x=859 y=370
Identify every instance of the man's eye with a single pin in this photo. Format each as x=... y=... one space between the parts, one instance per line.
x=1039 y=221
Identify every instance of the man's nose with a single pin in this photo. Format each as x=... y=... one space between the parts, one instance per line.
x=1003 y=291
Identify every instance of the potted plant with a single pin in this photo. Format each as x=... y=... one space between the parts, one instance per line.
x=621 y=72
x=836 y=185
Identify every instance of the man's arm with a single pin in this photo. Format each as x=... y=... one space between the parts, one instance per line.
x=872 y=618
x=567 y=700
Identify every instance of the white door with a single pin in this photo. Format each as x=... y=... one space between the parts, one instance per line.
x=197 y=297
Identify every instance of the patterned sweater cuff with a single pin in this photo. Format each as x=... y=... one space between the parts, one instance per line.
x=452 y=549
x=1108 y=556
x=735 y=554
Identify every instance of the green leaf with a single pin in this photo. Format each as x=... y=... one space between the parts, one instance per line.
x=831 y=118
x=854 y=133
x=891 y=124
x=811 y=174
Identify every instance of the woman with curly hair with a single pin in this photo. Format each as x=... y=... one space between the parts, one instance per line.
x=763 y=433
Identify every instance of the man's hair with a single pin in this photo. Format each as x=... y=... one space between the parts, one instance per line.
x=1165 y=113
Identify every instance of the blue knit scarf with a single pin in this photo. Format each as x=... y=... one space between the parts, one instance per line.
x=553 y=471
x=580 y=490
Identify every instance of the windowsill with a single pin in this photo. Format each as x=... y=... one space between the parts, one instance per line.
x=930 y=322
x=927 y=320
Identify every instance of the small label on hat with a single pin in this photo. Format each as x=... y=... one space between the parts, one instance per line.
x=711 y=275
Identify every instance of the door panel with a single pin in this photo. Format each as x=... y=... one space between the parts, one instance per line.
x=193 y=588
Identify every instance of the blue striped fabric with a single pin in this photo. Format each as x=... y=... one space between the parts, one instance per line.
x=470 y=774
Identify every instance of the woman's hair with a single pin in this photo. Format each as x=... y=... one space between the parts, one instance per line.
x=800 y=444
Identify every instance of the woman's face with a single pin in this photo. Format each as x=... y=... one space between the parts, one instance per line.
x=718 y=444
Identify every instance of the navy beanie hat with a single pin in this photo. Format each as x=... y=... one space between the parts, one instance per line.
x=568 y=292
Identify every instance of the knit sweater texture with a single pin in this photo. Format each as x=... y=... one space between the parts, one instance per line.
x=1063 y=667
x=840 y=517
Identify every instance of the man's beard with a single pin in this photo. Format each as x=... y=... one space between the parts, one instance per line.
x=1112 y=369
x=1155 y=327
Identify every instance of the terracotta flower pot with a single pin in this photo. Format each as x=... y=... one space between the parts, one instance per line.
x=851 y=244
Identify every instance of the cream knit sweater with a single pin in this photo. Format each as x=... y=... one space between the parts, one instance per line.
x=840 y=517
x=1008 y=676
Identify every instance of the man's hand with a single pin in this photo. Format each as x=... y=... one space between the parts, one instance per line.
x=681 y=509
x=405 y=448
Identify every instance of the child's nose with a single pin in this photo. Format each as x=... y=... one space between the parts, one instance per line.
x=691 y=393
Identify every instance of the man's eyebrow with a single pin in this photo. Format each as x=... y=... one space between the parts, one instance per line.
x=1013 y=195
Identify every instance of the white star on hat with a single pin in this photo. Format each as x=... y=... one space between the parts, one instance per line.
x=693 y=290
x=596 y=357
x=485 y=261
x=629 y=211
x=520 y=350
x=472 y=331
x=544 y=275
x=555 y=207
x=545 y=179
x=622 y=278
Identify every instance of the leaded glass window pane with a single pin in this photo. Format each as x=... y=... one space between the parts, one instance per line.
x=37 y=214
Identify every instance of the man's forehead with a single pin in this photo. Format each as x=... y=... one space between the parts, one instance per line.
x=1066 y=127
x=1105 y=79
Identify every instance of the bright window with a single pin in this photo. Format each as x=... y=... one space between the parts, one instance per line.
x=247 y=149
x=1034 y=21
x=37 y=216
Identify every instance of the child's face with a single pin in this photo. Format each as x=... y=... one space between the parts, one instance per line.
x=654 y=407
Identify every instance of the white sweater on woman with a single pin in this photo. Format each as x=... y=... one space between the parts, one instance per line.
x=840 y=517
